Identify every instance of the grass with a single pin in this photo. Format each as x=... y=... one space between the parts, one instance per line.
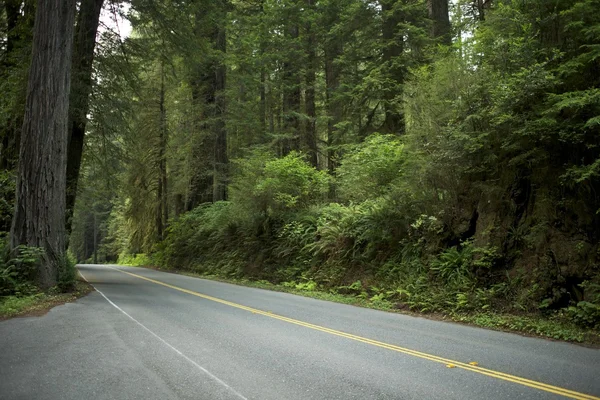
x=533 y=325
x=40 y=303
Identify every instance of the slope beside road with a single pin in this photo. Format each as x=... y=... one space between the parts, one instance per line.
x=154 y=335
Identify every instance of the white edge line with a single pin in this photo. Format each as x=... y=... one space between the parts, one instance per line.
x=194 y=363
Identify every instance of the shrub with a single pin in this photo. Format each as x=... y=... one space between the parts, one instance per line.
x=369 y=168
x=271 y=186
x=206 y=231
x=587 y=312
x=290 y=183
x=17 y=269
x=67 y=273
x=7 y=198
x=135 y=260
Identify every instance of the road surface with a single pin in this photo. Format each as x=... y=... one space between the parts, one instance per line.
x=147 y=334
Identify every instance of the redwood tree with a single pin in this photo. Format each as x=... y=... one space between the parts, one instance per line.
x=88 y=19
x=41 y=180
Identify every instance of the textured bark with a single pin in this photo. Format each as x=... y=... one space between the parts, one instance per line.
x=200 y=185
x=41 y=181
x=334 y=106
x=291 y=85
x=162 y=211
x=310 y=135
x=393 y=47
x=438 y=13
x=220 y=171
x=333 y=47
x=263 y=74
x=81 y=86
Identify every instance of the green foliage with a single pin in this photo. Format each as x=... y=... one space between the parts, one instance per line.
x=135 y=260
x=7 y=196
x=279 y=185
x=368 y=169
x=587 y=313
x=18 y=269
x=459 y=267
x=12 y=305
x=67 y=273
x=309 y=285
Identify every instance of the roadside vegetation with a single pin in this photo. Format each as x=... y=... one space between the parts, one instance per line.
x=19 y=292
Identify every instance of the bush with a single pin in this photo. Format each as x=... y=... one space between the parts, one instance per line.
x=17 y=269
x=7 y=198
x=67 y=273
x=269 y=185
x=206 y=232
x=465 y=265
x=368 y=169
x=136 y=260
x=587 y=312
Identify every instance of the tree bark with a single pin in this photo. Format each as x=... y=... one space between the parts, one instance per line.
x=310 y=137
x=291 y=84
x=438 y=13
x=334 y=106
x=41 y=181
x=220 y=173
x=393 y=47
x=200 y=185
x=162 y=213
x=263 y=73
x=81 y=87
x=333 y=47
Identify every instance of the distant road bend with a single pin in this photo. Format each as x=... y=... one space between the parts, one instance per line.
x=146 y=334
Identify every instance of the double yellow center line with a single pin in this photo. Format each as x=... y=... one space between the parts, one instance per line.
x=469 y=367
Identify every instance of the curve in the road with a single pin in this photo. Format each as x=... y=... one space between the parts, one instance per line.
x=452 y=363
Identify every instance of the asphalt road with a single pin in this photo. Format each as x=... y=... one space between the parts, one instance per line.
x=146 y=334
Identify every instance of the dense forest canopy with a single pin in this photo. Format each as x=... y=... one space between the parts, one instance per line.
x=438 y=155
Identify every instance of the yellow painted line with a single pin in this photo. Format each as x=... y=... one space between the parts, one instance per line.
x=467 y=366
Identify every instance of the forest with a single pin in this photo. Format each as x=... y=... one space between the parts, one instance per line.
x=431 y=156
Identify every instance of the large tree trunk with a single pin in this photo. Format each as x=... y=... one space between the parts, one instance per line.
x=333 y=47
x=438 y=12
x=220 y=173
x=393 y=47
x=263 y=73
x=162 y=213
x=39 y=218
x=310 y=137
x=201 y=166
x=83 y=57
x=291 y=84
x=334 y=106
